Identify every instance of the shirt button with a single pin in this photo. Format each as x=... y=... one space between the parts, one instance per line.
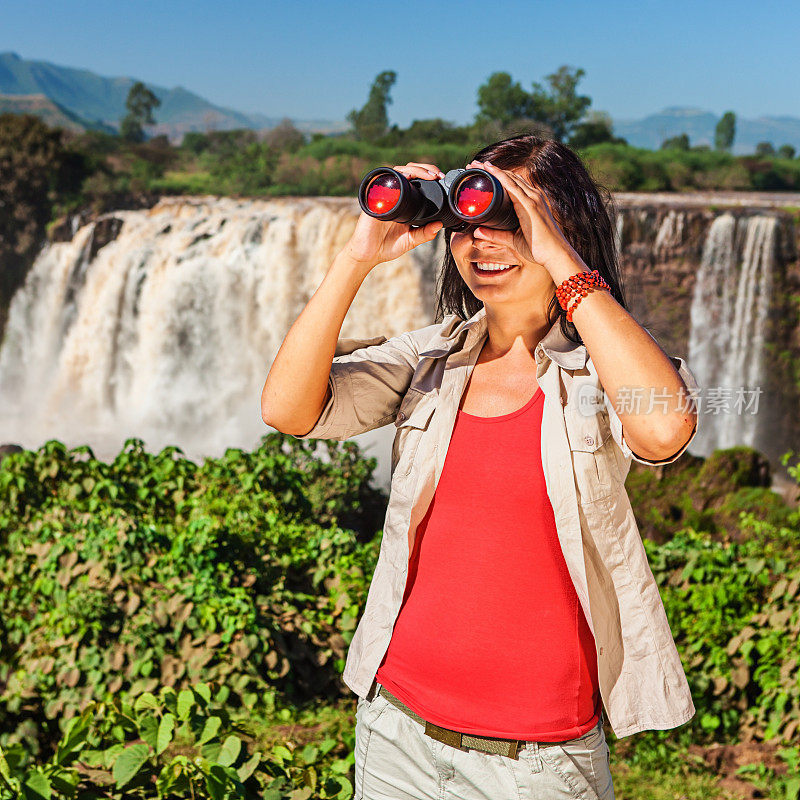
x=401 y=416
x=601 y=651
x=589 y=440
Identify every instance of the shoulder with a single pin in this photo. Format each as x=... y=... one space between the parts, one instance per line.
x=431 y=335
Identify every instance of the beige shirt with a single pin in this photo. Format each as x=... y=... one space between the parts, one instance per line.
x=416 y=381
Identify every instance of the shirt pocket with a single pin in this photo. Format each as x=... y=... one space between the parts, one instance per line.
x=597 y=474
x=411 y=422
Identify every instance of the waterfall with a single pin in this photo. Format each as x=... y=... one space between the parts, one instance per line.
x=670 y=231
x=162 y=323
x=728 y=315
x=618 y=229
x=167 y=332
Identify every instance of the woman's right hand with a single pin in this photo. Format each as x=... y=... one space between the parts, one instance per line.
x=375 y=241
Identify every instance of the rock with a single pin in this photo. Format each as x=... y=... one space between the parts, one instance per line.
x=106 y=229
x=7 y=449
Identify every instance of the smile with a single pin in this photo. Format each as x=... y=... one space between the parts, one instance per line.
x=484 y=268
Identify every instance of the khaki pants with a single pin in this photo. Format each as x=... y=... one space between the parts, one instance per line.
x=395 y=760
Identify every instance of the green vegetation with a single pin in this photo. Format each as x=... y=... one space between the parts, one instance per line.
x=119 y=174
x=37 y=171
x=552 y=112
x=152 y=599
x=680 y=142
x=372 y=121
x=139 y=104
x=725 y=132
x=179 y=629
x=127 y=171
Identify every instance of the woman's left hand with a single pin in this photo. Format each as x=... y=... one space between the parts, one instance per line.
x=539 y=237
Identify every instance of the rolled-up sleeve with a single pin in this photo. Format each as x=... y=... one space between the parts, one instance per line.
x=368 y=380
x=693 y=392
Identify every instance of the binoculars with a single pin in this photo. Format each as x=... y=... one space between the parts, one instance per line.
x=462 y=198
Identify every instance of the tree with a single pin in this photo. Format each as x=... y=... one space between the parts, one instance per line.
x=371 y=121
x=786 y=151
x=140 y=104
x=285 y=136
x=725 y=132
x=36 y=169
x=676 y=142
x=555 y=109
x=559 y=106
x=426 y=131
x=765 y=149
x=595 y=129
x=501 y=101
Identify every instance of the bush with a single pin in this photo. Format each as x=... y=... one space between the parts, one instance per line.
x=152 y=571
x=177 y=744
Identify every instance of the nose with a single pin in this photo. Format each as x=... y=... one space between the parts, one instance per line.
x=486 y=245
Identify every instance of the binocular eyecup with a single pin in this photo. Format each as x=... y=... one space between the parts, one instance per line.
x=462 y=198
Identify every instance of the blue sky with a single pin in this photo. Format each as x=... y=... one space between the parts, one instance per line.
x=317 y=59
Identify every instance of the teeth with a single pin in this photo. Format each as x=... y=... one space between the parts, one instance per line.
x=493 y=266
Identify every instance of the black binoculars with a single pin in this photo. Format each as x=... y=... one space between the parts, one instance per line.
x=462 y=198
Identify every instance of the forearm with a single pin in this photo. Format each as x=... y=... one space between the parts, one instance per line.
x=295 y=390
x=628 y=360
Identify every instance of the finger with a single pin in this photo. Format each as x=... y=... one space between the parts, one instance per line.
x=429 y=167
x=533 y=192
x=425 y=233
x=509 y=178
x=417 y=172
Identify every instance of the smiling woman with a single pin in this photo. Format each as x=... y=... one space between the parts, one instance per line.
x=507 y=496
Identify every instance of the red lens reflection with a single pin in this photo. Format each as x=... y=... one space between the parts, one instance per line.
x=474 y=196
x=383 y=193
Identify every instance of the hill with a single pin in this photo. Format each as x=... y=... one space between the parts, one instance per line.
x=97 y=100
x=87 y=100
x=47 y=110
x=699 y=124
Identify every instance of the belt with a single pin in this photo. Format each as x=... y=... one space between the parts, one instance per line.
x=462 y=741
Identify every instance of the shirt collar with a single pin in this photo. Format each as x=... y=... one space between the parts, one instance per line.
x=554 y=344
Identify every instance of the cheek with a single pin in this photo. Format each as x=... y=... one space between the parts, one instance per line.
x=460 y=247
x=456 y=243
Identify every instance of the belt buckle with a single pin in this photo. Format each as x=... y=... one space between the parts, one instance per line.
x=453 y=738
x=513 y=748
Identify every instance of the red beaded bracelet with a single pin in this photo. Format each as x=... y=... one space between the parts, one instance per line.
x=578 y=285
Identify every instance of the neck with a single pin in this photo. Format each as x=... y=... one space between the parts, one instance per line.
x=515 y=328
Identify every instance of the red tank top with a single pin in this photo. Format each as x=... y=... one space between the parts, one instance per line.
x=491 y=638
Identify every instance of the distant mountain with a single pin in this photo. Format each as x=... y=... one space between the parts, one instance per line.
x=96 y=101
x=651 y=131
x=47 y=110
x=305 y=125
x=78 y=99
x=100 y=100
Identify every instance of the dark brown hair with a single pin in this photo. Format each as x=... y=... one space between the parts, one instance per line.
x=583 y=209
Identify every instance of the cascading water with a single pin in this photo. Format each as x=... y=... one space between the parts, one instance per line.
x=726 y=342
x=670 y=232
x=167 y=334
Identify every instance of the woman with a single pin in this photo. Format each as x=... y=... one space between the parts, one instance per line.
x=512 y=600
